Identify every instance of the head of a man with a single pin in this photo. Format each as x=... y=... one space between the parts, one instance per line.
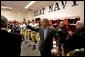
x=79 y=24
x=61 y=24
x=4 y=22
x=33 y=21
x=28 y=21
x=44 y=22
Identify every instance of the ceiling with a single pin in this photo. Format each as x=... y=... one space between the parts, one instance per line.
x=20 y=5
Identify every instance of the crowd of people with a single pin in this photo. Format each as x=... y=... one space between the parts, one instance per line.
x=27 y=34
x=15 y=33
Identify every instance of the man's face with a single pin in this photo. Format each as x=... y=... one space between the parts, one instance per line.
x=43 y=23
x=61 y=24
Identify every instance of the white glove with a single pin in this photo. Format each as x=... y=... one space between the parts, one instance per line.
x=54 y=51
x=9 y=30
x=59 y=29
x=70 y=33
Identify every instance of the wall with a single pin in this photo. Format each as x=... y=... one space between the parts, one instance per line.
x=17 y=15
x=30 y=15
x=67 y=12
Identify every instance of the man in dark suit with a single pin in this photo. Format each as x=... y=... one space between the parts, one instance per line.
x=76 y=41
x=46 y=37
x=10 y=43
x=62 y=31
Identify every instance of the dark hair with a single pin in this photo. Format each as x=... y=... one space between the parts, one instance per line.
x=3 y=22
x=33 y=20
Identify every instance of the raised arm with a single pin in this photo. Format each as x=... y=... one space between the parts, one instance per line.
x=34 y=29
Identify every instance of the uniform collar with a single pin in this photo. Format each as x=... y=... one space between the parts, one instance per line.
x=4 y=29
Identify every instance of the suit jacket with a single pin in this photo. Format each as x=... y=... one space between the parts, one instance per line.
x=45 y=45
x=62 y=34
x=10 y=43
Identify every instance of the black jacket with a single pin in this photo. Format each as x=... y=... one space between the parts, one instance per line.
x=10 y=43
x=75 y=41
x=62 y=34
